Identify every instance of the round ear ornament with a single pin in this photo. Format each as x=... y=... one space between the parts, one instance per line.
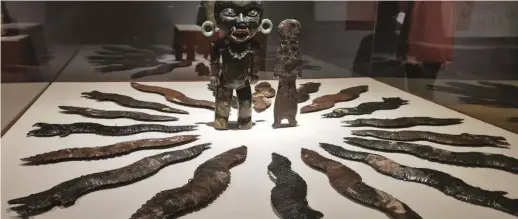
x=266 y=26
x=207 y=28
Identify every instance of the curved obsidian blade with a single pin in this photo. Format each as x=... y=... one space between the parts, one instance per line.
x=367 y=108
x=161 y=69
x=464 y=139
x=263 y=91
x=126 y=49
x=130 y=102
x=210 y=180
x=305 y=89
x=108 y=151
x=446 y=183
x=66 y=193
x=288 y=196
x=329 y=100
x=63 y=130
x=115 y=114
x=174 y=96
x=349 y=183
x=403 y=122
x=467 y=159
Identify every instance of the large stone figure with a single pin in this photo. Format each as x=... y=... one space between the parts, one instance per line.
x=239 y=21
x=287 y=69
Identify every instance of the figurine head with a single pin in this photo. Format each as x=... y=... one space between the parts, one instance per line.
x=239 y=20
x=277 y=164
x=279 y=161
x=288 y=29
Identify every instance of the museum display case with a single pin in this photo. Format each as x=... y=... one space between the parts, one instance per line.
x=249 y=109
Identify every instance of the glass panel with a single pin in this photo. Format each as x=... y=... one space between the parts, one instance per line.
x=459 y=54
x=69 y=41
x=281 y=100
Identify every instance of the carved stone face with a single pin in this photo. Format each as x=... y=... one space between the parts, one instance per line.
x=288 y=29
x=239 y=20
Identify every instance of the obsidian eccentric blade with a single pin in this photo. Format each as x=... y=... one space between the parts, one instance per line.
x=108 y=151
x=329 y=100
x=288 y=196
x=305 y=89
x=467 y=159
x=446 y=183
x=66 y=193
x=367 y=108
x=349 y=183
x=402 y=122
x=210 y=180
x=464 y=139
x=130 y=102
x=174 y=96
x=63 y=130
x=115 y=114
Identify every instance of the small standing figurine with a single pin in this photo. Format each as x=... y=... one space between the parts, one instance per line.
x=239 y=21
x=287 y=69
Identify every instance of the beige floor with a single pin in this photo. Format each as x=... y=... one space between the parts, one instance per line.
x=15 y=98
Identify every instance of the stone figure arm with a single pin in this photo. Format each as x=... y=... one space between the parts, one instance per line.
x=255 y=62
x=215 y=64
x=298 y=69
x=298 y=59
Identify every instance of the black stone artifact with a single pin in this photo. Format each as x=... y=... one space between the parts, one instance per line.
x=115 y=114
x=367 y=108
x=63 y=130
x=287 y=69
x=441 y=181
x=305 y=89
x=161 y=69
x=402 y=122
x=288 y=197
x=235 y=57
x=130 y=102
x=108 y=151
x=65 y=194
x=467 y=159
x=484 y=93
x=210 y=180
x=202 y=69
x=174 y=96
x=464 y=139
x=329 y=100
x=263 y=91
x=349 y=183
x=132 y=57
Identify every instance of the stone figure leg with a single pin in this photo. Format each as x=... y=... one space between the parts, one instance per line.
x=293 y=105
x=276 y=122
x=223 y=99
x=277 y=113
x=292 y=121
x=244 y=97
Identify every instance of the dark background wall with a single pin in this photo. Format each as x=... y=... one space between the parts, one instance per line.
x=127 y=22
x=483 y=49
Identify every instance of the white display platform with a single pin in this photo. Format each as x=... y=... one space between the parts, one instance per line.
x=249 y=193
